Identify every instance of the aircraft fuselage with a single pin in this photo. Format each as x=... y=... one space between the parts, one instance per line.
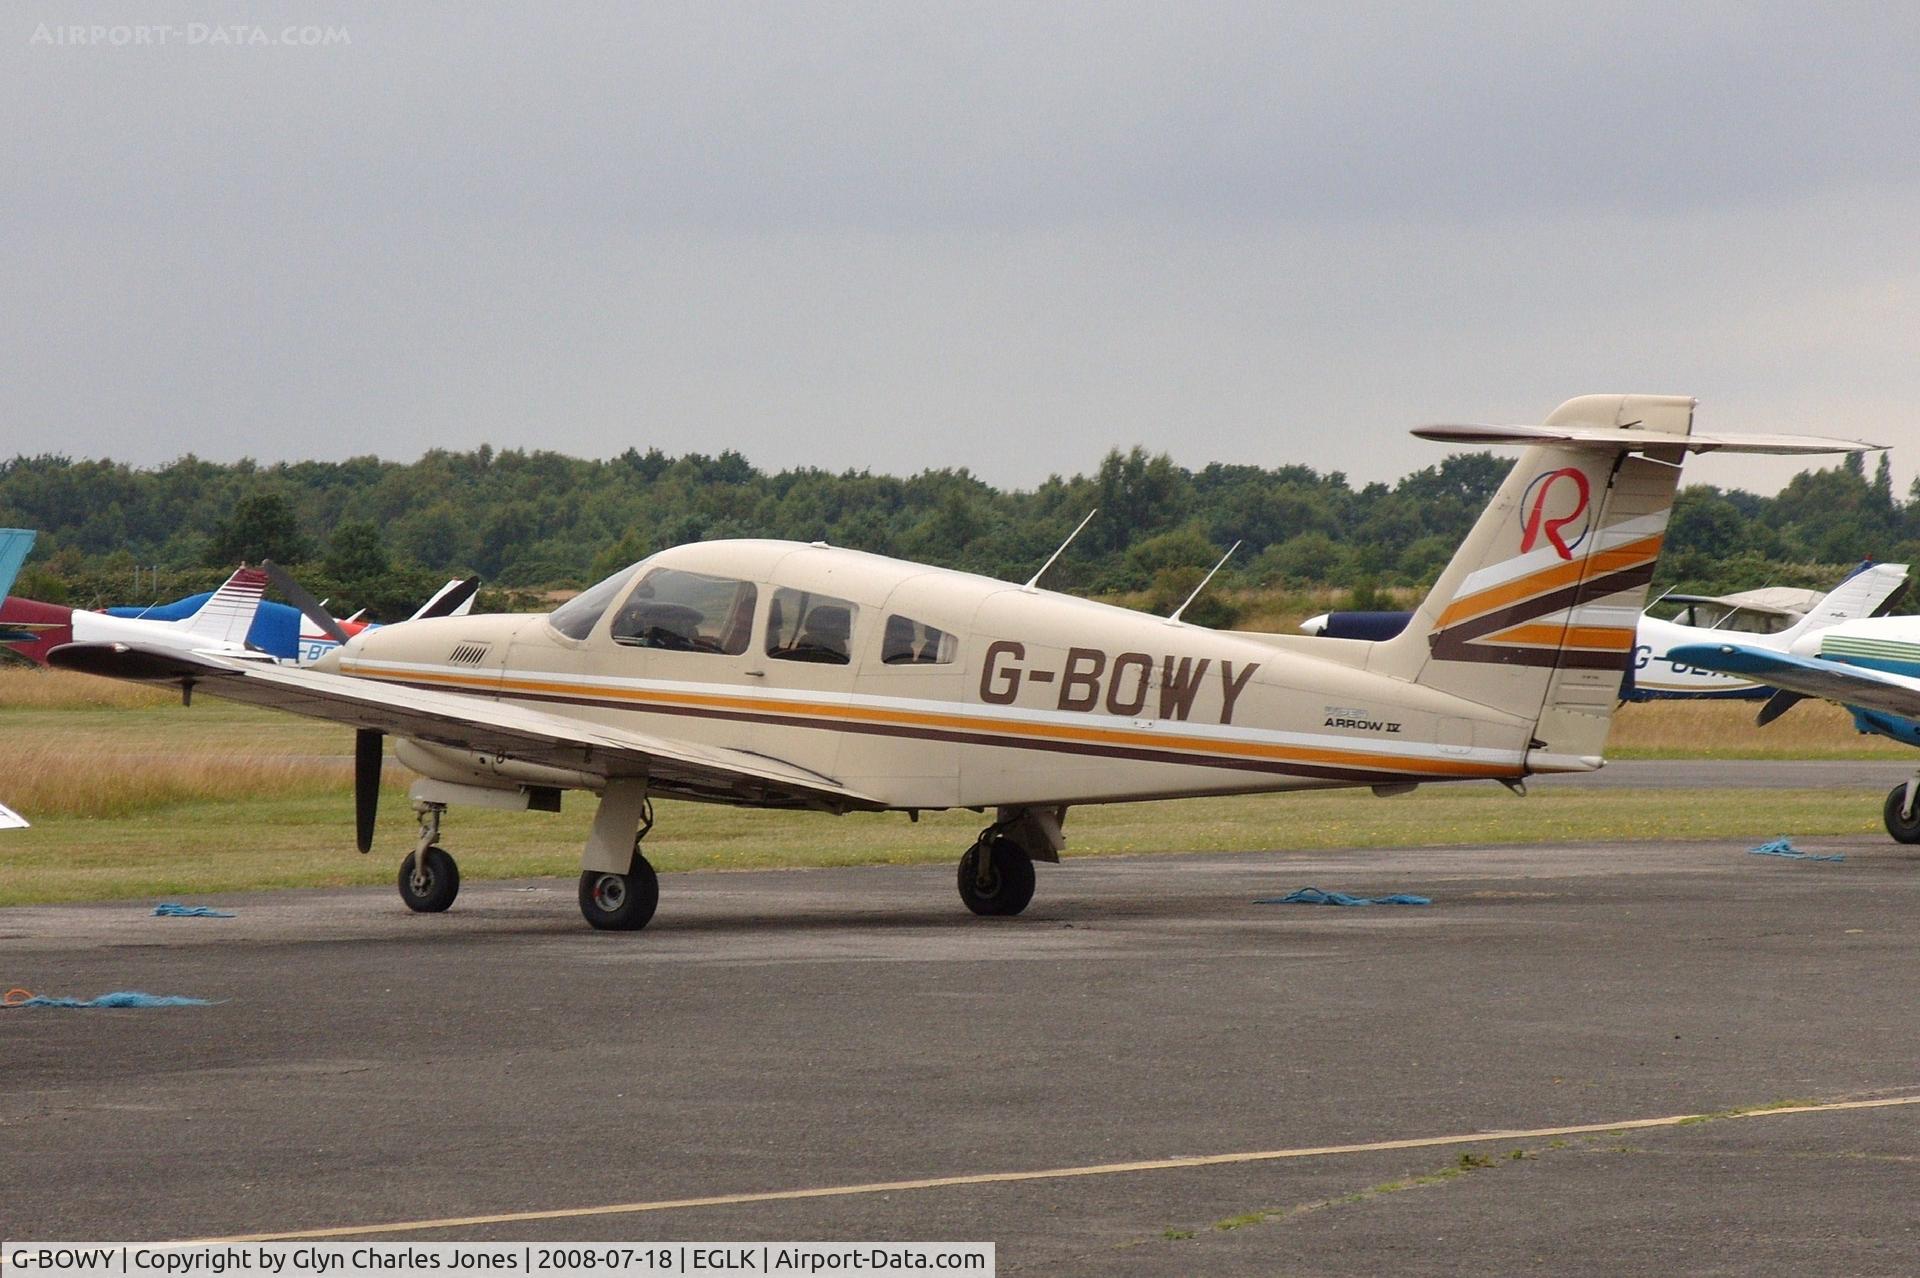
x=993 y=694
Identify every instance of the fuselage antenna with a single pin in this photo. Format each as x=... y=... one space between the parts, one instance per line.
x=1174 y=620
x=1035 y=579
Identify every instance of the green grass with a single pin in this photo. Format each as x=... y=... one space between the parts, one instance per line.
x=306 y=841
x=147 y=799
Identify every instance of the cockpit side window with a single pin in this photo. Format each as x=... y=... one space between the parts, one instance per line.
x=687 y=612
x=802 y=626
x=577 y=617
x=906 y=642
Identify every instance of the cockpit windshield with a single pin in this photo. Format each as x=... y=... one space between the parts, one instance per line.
x=577 y=617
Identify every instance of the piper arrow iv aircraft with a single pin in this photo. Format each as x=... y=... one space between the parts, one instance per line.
x=782 y=675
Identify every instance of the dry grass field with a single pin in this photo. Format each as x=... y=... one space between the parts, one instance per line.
x=1725 y=730
x=132 y=795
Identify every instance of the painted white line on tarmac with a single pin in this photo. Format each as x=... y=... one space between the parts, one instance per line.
x=1050 y=1173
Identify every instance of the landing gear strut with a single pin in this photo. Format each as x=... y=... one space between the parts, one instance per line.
x=1902 y=811
x=618 y=888
x=996 y=875
x=429 y=879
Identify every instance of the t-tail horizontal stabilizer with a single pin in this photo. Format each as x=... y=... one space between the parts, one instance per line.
x=1631 y=438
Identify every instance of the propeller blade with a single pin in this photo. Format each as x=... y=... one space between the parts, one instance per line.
x=1778 y=704
x=366 y=784
x=297 y=595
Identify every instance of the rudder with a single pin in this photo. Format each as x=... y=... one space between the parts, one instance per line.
x=1535 y=616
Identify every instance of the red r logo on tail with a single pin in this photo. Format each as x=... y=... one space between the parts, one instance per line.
x=1537 y=520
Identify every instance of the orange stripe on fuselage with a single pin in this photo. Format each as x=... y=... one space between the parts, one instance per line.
x=1631 y=555
x=1013 y=730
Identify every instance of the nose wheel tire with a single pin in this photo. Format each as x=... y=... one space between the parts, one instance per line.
x=620 y=902
x=433 y=888
x=1904 y=829
x=996 y=877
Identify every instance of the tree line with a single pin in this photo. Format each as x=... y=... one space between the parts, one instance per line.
x=381 y=534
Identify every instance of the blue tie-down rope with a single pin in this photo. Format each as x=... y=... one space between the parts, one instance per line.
x=1314 y=896
x=1781 y=847
x=174 y=910
x=119 y=998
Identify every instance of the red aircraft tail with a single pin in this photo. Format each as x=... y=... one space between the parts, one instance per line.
x=33 y=629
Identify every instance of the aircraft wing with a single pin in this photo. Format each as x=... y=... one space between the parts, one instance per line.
x=481 y=724
x=11 y=820
x=1830 y=680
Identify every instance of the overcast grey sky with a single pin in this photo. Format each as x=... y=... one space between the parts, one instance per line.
x=1003 y=236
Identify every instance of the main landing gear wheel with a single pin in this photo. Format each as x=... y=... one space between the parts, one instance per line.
x=1905 y=829
x=996 y=877
x=432 y=888
x=620 y=902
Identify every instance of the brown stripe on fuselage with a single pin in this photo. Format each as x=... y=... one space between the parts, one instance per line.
x=1349 y=765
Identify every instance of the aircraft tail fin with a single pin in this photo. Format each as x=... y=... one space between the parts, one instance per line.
x=455 y=599
x=1873 y=591
x=1536 y=614
x=228 y=613
x=14 y=545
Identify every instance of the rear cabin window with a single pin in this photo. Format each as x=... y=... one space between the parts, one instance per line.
x=906 y=642
x=577 y=617
x=807 y=627
x=687 y=612
x=1713 y=615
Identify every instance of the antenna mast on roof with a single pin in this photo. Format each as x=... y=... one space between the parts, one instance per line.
x=1174 y=620
x=1033 y=580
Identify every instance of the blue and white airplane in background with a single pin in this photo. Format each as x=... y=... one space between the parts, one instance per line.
x=1871 y=667
x=284 y=633
x=14 y=545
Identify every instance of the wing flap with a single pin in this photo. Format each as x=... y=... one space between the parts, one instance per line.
x=1829 y=680
x=478 y=723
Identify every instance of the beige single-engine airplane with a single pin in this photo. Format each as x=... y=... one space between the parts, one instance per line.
x=783 y=675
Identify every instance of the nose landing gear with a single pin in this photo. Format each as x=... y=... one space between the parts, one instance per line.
x=429 y=878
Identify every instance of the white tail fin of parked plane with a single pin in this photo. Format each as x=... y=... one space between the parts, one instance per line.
x=1867 y=593
x=455 y=599
x=228 y=613
x=1536 y=614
